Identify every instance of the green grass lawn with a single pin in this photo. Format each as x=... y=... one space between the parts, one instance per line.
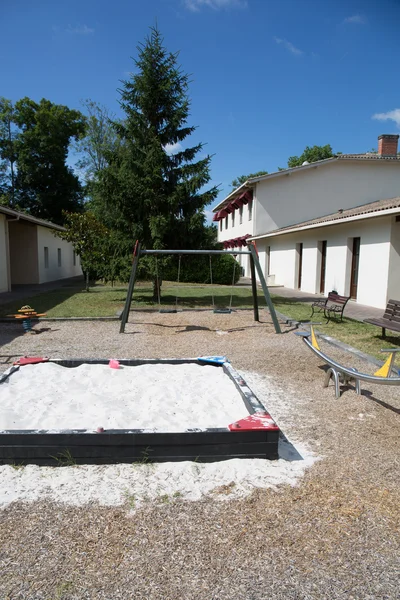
x=106 y=301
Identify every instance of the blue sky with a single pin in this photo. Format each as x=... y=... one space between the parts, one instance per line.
x=268 y=77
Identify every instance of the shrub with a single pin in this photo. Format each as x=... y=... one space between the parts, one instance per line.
x=196 y=269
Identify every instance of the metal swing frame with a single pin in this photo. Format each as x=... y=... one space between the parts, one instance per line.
x=254 y=266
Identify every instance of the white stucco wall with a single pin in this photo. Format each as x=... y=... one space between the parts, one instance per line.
x=394 y=262
x=238 y=229
x=375 y=250
x=4 y=285
x=303 y=195
x=46 y=238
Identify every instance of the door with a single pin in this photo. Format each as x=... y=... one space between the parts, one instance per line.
x=354 y=268
x=323 y=267
x=300 y=264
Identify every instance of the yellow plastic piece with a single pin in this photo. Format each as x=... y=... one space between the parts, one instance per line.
x=314 y=339
x=384 y=371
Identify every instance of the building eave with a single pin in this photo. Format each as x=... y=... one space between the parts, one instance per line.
x=25 y=217
x=333 y=222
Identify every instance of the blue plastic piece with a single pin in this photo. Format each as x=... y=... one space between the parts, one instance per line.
x=213 y=360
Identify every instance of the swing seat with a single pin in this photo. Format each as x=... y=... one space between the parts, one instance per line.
x=222 y=311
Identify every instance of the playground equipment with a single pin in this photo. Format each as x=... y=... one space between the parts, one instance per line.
x=254 y=266
x=343 y=374
x=26 y=313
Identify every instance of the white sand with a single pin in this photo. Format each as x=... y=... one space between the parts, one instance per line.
x=113 y=485
x=156 y=397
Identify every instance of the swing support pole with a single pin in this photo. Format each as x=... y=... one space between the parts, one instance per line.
x=131 y=285
x=254 y=254
x=254 y=266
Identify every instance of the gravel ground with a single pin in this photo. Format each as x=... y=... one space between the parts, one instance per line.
x=335 y=535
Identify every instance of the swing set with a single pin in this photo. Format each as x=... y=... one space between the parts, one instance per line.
x=254 y=266
x=175 y=310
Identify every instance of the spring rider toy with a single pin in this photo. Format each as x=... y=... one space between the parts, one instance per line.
x=26 y=313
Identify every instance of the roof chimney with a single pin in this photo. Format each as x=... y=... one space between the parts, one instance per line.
x=387 y=144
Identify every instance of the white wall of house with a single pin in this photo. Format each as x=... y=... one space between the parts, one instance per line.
x=53 y=270
x=229 y=227
x=4 y=283
x=375 y=249
x=394 y=261
x=322 y=190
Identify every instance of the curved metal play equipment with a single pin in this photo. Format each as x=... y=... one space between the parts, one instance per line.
x=340 y=373
x=254 y=266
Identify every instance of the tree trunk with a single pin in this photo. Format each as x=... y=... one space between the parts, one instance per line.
x=87 y=280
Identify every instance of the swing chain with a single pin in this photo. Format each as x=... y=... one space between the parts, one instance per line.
x=233 y=281
x=157 y=283
x=179 y=274
x=211 y=283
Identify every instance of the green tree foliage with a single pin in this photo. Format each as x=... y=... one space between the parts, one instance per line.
x=89 y=238
x=100 y=142
x=311 y=154
x=8 y=138
x=102 y=254
x=243 y=178
x=157 y=186
x=45 y=184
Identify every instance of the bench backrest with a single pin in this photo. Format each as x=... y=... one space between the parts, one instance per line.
x=337 y=299
x=392 y=312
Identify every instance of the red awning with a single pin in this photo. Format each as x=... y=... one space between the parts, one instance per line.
x=216 y=216
x=246 y=197
x=235 y=204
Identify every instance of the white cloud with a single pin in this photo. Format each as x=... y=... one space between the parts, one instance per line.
x=391 y=115
x=357 y=19
x=289 y=46
x=196 y=5
x=171 y=149
x=80 y=30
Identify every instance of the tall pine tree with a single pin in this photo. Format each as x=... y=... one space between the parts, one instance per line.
x=156 y=184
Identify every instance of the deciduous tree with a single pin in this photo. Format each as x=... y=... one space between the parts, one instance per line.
x=45 y=184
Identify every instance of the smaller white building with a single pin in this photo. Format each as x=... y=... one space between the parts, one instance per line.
x=31 y=253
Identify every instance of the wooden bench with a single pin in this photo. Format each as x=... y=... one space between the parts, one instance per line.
x=390 y=319
x=332 y=305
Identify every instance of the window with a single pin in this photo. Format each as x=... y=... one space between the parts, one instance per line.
x=226 y=222
x=241 y=215
x=59 y=256
x=233 y=219
x=46 y=257
x=250 y=210
x=74 y=258
x=220 y=225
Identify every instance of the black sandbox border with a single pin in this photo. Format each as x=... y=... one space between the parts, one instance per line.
x=135 y=445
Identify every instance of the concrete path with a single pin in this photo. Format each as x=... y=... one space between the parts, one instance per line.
x=353 y=309
x=20 y=292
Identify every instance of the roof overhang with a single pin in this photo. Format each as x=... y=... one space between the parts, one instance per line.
x=297 y=229
x=20 y=216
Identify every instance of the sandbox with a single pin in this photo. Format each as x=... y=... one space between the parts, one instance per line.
x=82 y=411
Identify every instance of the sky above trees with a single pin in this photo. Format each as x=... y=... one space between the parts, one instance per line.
x=268 y=78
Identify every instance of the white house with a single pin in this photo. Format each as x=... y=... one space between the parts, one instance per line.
x=331 y=224
x=31 y=253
